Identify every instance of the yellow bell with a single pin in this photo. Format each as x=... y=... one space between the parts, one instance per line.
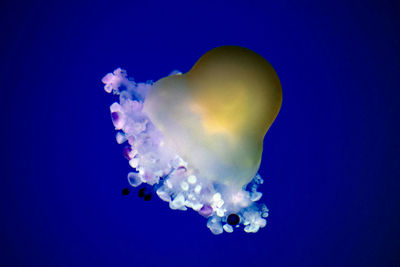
x=216 y=115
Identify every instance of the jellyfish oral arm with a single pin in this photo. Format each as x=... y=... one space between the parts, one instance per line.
x=174 y=179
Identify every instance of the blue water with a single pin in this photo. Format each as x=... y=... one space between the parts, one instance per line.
x=330 y=163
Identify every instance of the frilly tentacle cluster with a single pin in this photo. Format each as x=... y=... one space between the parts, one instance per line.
x=173 y=179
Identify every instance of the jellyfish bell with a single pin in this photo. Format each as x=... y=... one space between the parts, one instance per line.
x=215 y=116
x=197 y=137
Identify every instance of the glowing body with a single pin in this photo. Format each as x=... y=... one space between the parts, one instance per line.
x=198 y=137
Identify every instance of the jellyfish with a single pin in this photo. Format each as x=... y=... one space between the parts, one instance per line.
x=197 y=137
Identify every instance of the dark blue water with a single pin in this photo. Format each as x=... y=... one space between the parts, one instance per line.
x=331 y=160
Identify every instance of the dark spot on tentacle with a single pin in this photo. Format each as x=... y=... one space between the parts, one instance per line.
x=127 y=151
x=146 y=192
x=125 y=191
x=233 y=219
x=115 y=116
x=141 y=192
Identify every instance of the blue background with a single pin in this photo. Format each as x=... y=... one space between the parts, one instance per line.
x=330 y=163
